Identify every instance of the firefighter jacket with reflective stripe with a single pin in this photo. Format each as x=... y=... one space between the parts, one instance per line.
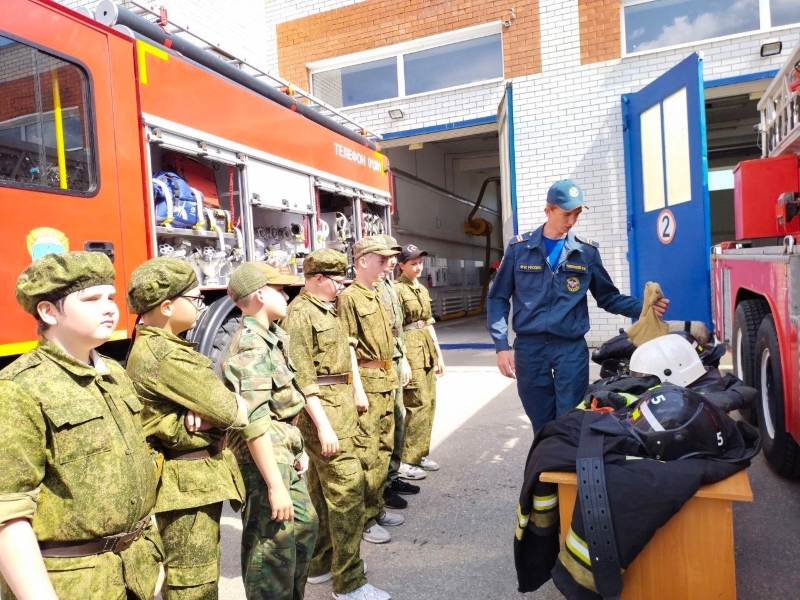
x=643 y=495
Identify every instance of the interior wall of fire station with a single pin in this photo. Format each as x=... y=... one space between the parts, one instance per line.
x=436 y=187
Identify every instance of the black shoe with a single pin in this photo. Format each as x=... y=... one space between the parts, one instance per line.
x=398 y=486
x=392 y=500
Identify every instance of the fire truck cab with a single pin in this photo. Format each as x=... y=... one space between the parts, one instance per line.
x=118 y=135
x=756 y=279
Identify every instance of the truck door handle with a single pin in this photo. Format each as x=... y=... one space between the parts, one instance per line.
x=106 y=248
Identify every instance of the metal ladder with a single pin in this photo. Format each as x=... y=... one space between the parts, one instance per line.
x=154 y=13
x=780 y=110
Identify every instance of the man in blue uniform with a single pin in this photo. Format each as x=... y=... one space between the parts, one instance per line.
x=547 y=273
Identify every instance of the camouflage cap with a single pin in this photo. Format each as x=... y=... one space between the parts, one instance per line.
x=55 y=276
x=251 y=276
x=325 y=261
x=391 y=242
x=159 y=279
x=373 y=244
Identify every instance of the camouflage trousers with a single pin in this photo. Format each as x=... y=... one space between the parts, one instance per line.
x=374 y=443
x=399 y=428
x=131 y=575
x=191 y=547
x=336 y=487
x=276 y=555
x=420 y=402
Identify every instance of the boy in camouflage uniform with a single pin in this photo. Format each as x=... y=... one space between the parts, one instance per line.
x=280 y=524
x=172 y=379
x=78 y=481
x=327 y=373
x=425 y=358
x=365 y=320
x=387 y=293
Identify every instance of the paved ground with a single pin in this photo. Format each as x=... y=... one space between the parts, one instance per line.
x=456 y=542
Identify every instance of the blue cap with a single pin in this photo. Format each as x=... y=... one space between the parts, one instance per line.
x=565 y=194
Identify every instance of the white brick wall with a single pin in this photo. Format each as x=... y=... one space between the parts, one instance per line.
x=238 y=27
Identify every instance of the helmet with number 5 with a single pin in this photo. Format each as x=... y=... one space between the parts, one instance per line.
x=673 y=423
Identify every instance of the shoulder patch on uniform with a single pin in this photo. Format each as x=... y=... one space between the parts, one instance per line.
x=23 y=363
x=587 y=241
x=522 y=237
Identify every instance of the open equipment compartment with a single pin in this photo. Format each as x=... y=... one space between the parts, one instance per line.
x=281 y=209
x=204 y=226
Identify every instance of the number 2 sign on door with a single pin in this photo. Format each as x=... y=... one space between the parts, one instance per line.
x=665 y=226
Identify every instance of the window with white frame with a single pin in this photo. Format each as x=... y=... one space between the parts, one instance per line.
x=651 y=24
x=438 y=62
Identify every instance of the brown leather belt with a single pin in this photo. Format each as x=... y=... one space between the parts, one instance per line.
x=111 y=543
x=376 y=364
x=206 y=452
x=415 y=325
x=334 y=379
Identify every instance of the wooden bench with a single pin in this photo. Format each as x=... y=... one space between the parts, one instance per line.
x=689 y=558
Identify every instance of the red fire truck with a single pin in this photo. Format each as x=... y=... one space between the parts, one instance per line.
x=120 y=135
x=757 y=278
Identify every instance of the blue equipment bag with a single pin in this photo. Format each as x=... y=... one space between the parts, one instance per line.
x=176 y=203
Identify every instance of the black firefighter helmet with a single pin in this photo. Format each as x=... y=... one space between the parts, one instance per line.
x=673 y=422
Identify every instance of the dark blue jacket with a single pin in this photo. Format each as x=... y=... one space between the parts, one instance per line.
x=551 y=301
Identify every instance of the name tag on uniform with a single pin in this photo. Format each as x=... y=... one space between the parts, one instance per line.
x=574 y=267
x=529 y=267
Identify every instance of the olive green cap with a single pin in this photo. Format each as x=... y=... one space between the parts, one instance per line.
x=390 y=241
x=55 y=276
x=325 y=261
x=373 y=244
x=159 y=279
x=251 y=276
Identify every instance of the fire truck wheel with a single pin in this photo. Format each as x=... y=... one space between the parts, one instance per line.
x=780 y=450
x=223 y=336
x=746 y=321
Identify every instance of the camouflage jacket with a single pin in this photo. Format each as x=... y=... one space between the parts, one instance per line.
x=319 y=346
x=172 y=378
x=416 y=303
x=257 y=367
x=365 y=320
x=387 y=294
x=74 y=459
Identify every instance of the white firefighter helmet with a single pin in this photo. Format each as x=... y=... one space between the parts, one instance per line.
x=670 y=358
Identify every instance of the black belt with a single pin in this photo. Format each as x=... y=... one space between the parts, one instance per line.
x=111 y=543
x=334 y=379
x=207 y=452
x=415 y=325
x=596 y=511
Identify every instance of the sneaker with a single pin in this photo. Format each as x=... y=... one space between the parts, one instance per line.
x=365 y=592
x=376 y=535
x=392 y=500
x=428 y=465
x=407 y=471
x=398 y=486
x=320 y=578
x=387 y=519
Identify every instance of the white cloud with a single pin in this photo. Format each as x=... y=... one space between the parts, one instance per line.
x=637 y=34
x=742 y=16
